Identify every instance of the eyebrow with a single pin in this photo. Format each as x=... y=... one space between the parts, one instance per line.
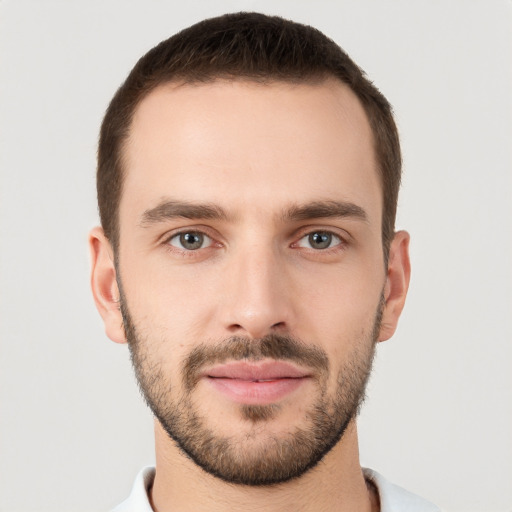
x=170 y=209
x=324 y=209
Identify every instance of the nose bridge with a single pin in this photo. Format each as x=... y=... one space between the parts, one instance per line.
x=256 y=300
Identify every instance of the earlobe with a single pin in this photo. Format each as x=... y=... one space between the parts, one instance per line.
x=397 y=284
x=104 y=285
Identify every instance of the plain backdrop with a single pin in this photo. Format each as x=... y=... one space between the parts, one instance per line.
x=74 y=431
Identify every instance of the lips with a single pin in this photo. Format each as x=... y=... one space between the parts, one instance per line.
x=256 y=383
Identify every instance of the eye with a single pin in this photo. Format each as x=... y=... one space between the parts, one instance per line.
x=190 y=240
x=319 y=240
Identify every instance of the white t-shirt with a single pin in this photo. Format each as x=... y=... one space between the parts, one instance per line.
x=392 y=497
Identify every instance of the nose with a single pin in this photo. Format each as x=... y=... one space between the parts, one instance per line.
x=257 y=298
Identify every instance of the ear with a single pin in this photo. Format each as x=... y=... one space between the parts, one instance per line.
x=104 y=285
x=397 y=283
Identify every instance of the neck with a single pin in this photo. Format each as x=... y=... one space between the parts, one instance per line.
x=335 y=484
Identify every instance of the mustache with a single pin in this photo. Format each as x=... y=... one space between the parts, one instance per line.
x=237 y=348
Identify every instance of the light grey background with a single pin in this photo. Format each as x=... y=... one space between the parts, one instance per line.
x=73 y=430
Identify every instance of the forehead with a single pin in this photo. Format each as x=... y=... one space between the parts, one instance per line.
x=243 y=144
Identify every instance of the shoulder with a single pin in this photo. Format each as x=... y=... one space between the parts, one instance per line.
x=138 y=501
x=396 y=499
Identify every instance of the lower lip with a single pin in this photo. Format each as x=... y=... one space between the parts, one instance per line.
x=256 y=393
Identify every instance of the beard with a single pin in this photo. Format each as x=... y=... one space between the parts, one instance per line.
x=258 y=457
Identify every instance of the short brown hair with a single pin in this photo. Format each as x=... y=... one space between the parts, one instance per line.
x=249 y=46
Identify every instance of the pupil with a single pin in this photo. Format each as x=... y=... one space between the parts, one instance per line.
x=320 y=240
x=191 y=240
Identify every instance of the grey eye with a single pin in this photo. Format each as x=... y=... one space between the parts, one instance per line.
x=190 y=241
x=319 y=240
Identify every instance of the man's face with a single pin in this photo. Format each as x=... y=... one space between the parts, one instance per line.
x=251 y=268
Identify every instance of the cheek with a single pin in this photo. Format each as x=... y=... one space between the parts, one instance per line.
x=340 y=319
x=168 y=301
x=328 y=304
x=340 y=301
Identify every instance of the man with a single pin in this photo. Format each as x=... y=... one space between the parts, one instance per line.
x=248 y=176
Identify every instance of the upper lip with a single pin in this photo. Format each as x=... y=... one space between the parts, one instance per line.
x=255 y=371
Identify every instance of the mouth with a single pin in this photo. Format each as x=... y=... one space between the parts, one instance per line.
x=258 y=383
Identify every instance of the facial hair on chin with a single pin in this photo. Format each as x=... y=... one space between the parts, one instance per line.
x=254 y=460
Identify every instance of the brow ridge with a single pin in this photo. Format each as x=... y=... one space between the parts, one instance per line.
x=324 y=209
x=169 y=209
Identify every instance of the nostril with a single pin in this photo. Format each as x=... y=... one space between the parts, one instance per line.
x=255 y=331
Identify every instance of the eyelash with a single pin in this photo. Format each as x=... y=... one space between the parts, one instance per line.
x=333 y=237
x=339 y=246
x=187 y=253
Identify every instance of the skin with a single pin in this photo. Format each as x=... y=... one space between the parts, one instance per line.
x=255 y=151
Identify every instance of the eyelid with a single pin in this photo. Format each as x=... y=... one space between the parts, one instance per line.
x=203 y=230
x=206 y=239
x=216 y=239
x=341 y=241
x=342 y=234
